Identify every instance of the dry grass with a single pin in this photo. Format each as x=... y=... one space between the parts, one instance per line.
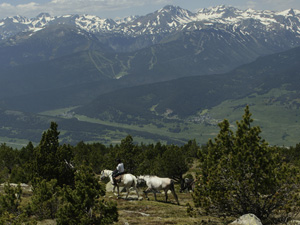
x=148 y=212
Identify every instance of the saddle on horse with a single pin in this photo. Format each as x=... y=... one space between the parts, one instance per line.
x=118 y=179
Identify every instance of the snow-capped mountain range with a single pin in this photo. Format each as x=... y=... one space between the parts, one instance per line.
x=54 y=62
x=166 y=20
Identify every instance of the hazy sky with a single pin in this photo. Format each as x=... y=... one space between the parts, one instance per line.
x=121 y=8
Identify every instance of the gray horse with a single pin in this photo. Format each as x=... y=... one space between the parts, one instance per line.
x=128 y=180
x=155 y=184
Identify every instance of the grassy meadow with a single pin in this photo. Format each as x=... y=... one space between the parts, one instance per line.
x=278 y=119
x=279 y=122
x=150 y=212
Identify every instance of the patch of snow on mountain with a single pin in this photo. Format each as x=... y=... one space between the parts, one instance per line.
x=37 y=29
x=297 y=12
x=93 y=23
x=232 y=16
x=128 y=19
x=158 y=19
x=286 y=13
x=172 y=24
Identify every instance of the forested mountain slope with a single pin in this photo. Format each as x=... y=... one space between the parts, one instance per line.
x=186 y=96
x=174 y=111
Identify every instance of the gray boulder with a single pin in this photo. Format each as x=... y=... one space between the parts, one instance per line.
x=247 y=219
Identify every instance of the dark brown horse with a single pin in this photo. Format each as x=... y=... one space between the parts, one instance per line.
x=187 y=184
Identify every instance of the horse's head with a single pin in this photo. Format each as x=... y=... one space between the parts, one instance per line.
x=140 y=181
x=103 y=175
x=186 y=184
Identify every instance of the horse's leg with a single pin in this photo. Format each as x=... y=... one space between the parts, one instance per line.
x=166 y=195
x=175 y=196
x=172 y=188
x=137 y=192
x=146 y=193
x=135 y=188
x=127 y=192
x=154 y=195
x=118 y=190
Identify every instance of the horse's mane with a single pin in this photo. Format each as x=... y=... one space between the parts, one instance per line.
x=107 y=171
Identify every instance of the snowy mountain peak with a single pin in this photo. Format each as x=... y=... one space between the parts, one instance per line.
x=166 y=20
x=174 y=10
x=216 y=13
x=43 y=15
x=169 y=8
x=16 y=19
x=128 y=19
x=289 y=12
x=94 y=23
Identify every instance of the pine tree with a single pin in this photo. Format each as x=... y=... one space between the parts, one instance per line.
x=128 y=153
x=242 y=174
x=11 y=198
x=51 y=160
x=45 y=200
x=172 y=163
x=83 y=205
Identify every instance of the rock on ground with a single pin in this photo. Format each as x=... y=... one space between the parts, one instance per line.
x=247 y=219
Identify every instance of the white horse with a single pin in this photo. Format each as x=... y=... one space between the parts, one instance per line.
x=155 y=184
x=128 y=180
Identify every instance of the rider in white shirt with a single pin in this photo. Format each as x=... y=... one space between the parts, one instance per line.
x=119 y=170
x=120 y=167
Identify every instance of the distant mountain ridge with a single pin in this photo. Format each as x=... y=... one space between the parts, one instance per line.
x=170 y=18
x=167 y=20
x=45 y=37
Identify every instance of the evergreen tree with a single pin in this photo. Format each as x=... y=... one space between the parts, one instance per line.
x=173 y=163
x=10 y=200
x=146 y=159
x=241 y=174
x=45 y=200
x=26 y=157
x=83 y=205
x=90 y=154
x=191 y=150
x=51 y=160
x=128 y=152
x=9 y=158
x=26 y=153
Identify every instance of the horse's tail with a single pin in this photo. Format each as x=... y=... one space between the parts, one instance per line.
x=134 y=183
x=172 y=185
